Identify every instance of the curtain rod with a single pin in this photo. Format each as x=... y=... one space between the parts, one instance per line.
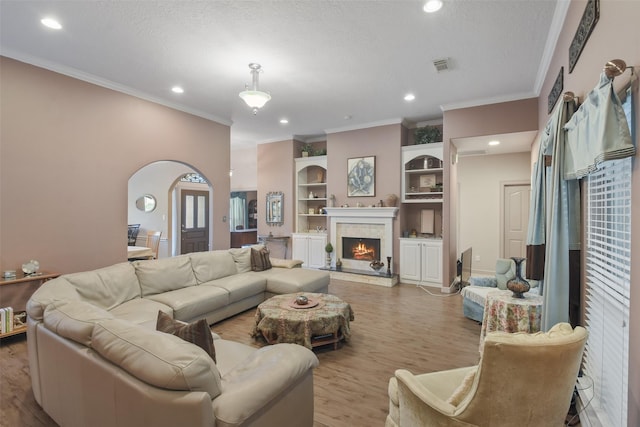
x=612 y=69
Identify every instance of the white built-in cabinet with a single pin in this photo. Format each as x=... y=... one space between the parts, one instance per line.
x=421 y=261
x=309 y=241
x=310 y=248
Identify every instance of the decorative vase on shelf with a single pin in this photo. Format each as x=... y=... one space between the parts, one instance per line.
x=518 y=286
x=390 y=200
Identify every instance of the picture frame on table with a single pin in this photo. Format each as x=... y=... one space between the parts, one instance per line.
x=361 y=176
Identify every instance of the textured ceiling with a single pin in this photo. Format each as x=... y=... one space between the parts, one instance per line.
x=323 y=61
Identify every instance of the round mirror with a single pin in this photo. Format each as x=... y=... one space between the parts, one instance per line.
x=146 y=203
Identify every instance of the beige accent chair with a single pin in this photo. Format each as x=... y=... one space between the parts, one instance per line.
x=521 y=380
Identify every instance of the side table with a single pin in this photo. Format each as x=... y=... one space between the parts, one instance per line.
x=504 y=313
x=15 y=291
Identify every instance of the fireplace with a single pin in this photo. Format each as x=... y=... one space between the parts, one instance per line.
x=367 y=224
x=361 y=249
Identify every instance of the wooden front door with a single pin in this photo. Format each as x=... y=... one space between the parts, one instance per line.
x=195 y=221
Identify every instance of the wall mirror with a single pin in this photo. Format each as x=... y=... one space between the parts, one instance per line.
x=275 y=205
x=146 y=203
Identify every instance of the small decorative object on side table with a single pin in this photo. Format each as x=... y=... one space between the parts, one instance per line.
x=518 y=285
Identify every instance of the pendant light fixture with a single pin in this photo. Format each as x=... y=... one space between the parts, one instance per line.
x=254 y=97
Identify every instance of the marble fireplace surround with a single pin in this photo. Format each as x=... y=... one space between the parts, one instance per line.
x=375 y=223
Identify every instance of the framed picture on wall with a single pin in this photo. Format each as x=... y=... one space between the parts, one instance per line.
x=361 y=176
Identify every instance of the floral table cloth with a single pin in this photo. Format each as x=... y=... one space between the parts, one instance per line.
x=504 y=313
x=325 y=320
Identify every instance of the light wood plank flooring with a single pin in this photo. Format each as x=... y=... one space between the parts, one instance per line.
x=399 y=327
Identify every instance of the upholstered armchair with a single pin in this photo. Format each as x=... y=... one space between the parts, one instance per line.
x=521 y=380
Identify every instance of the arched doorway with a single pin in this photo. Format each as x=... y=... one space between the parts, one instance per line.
x=164 y=180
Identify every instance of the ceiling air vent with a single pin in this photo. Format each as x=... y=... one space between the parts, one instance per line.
x=441 y=64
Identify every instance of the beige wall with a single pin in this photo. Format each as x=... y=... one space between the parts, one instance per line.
x=276 y=173
x=480 y=180
x=506 y=117
x=245 y=172
x=68 y=149
x=384 y=143
x=616 y=35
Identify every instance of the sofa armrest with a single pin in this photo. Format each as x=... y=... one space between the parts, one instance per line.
x=487 y=282
x=260 y=379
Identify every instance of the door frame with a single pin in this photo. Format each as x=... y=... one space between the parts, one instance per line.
x=504 y=184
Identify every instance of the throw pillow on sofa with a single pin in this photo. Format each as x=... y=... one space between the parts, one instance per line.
x=260 y=259
x=197 y=333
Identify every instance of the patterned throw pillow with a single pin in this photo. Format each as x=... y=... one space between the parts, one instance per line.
x=197 y=333
x=260 y=259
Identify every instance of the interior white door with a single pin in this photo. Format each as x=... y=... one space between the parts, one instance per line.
x=516 y=219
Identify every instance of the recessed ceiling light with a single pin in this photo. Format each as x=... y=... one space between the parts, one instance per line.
x=177 y=89
x=348 y=117
x=432 y=6
x=409 y=97
x=494 y=142
x=51 y=23
x=284 y=121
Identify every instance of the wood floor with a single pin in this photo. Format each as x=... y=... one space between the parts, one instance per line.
x=399 y=327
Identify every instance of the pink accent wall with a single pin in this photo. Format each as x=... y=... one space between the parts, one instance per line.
x=505 y=117
x=68 y=148
x=616 y=35
x=384 y=143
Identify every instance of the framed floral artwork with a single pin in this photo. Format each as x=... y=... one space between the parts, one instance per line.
x=361 y=176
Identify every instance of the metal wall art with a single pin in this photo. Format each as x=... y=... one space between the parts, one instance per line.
x=586 y=26
x=556 y=90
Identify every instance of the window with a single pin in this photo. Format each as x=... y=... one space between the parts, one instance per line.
x=608 y=272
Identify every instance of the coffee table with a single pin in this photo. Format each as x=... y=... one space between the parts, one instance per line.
x=325 y=320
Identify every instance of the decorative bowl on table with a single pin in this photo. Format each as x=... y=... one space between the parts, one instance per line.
x=376 y=265
x=302 y=300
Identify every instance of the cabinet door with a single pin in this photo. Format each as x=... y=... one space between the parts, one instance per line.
x=317 y=254
x=300 y=249
x=410 y=260
x=432 y=263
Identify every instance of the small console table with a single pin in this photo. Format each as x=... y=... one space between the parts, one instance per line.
x=15 y=291
x=283 y=241
x=502 y=312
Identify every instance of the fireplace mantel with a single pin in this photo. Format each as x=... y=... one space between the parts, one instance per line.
x=362 y=212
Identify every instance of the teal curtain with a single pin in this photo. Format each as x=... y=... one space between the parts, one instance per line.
x=597 y=132
x=554 y=220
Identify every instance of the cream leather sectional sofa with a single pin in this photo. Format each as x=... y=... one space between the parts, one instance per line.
x=96 y=359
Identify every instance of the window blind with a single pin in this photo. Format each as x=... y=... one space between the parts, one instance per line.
x=608 y=272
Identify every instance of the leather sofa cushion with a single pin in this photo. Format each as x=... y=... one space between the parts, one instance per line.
x=292 y=280
x=74 y=319
x=53 y=290
x=212 y=265
x=159 y=359
x=107 y=287
x=242 y=258
x=193 y=302
x=141 y=311
x=275 y=367
x=240 y=286
x=163 y=275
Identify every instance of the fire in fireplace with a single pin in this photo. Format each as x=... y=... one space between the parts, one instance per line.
x=362 y=249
